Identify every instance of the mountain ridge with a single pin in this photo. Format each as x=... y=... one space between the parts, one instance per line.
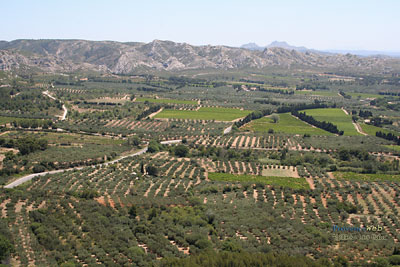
x=126 y=57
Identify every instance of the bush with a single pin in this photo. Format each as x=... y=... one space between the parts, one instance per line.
x=152 y=170
x=6 y=248
x=39 y=168
x=181 y=151
x=153 y=147
x=203 y=243
x=89 y=194
x=394 y=260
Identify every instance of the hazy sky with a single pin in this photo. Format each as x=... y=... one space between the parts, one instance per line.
x=320 y=24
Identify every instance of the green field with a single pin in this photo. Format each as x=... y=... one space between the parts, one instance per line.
x=166 y=101
x=4 y=120
x=396 y=148
x=335 y=116
x=295 y=183
x=364 y=95
x=286 y=124
x=371 y=129
x=366 y=176
x=316 y=93
x=204 y=113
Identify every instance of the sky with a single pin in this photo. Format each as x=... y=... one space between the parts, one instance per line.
x=320 y=24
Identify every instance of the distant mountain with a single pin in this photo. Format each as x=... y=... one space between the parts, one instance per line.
x=253 y=46
x=285 y=45
x=125 y=58
x=363 y=53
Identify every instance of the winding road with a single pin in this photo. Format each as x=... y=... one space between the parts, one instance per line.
x=64 y=116
x=65 y=113
x=29 y=177
x=358 y=128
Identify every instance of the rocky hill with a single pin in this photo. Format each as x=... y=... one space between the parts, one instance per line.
x=117 y=57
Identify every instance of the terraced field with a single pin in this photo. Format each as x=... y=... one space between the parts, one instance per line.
x=205 y=113
x=286 y=124
x=336 y=116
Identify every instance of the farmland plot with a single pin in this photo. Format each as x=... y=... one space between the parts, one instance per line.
x=286 y=124
x=205 y=113
x=336 y=116
x=166 y=101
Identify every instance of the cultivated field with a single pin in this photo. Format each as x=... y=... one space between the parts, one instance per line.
x=280 y=171
x=316 y=93
x=364 y=95
x=286 y=124
x=222 y=184
x=295 y=183
x=166 y=101
x=336 y=116
x=366 y=176
x=371 y=129
x=205 y=113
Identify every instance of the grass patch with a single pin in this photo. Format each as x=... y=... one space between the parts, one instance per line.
x=335 y=116
x=396 y=148
x=204 y=113
x=366 y=176
x=286 y=124
x=371 y=129
x=295 y=183
x=166 y=101
x=364 y=95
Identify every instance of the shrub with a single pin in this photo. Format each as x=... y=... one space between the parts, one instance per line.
x=152 y=170
x=181 y=151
